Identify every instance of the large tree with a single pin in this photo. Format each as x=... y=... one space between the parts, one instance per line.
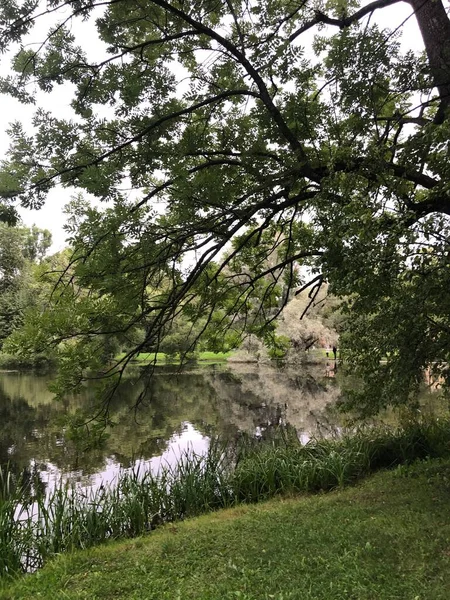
x=298 y=129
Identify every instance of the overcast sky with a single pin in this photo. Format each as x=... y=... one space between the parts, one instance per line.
x=51 y=215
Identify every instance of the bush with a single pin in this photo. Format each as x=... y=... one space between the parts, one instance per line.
x=39 y=362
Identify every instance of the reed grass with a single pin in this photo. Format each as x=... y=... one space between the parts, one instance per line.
x=34 y=526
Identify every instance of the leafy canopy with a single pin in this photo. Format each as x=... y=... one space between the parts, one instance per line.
x=296 y=133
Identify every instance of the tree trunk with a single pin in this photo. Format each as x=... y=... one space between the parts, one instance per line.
x=434 y=26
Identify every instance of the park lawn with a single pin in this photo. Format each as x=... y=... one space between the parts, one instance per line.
x=214 y=356
x=318 y=354
x=387 y=538
x=161 y=358
x=321 y=353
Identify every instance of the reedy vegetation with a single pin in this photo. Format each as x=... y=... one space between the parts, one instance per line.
x=34 y=527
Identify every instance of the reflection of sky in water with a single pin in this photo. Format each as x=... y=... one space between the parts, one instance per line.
x=180 y=414
x=190 y=440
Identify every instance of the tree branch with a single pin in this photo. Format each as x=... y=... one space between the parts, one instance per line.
x=309 y=284
x=320 y=17
x=264 y=94
x=153 y=125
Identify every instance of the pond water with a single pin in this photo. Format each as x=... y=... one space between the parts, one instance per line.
x=180 y=411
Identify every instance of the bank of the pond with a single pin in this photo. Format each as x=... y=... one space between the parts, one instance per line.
x=315 y=356
x=35 y=527
x=385 y=539
x=145 y=358
x=38 y=362
x=44 y=363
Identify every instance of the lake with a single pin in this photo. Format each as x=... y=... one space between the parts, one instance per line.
x=53 y=440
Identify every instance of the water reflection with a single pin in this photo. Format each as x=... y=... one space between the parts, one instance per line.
x=180 y=411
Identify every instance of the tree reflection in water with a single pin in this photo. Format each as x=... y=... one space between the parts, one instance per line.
x=39 y=434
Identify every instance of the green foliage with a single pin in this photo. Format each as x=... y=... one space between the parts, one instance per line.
x=180 y=339
x=278 y=347
x=403 y=329
x=40 y=362
x=272 y=164
x=20 y=249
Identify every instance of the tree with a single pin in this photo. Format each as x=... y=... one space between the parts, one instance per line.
x=20 y=247
x=333 y=151
x=307 y=323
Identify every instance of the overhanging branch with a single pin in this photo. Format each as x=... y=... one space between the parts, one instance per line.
x=320 y=17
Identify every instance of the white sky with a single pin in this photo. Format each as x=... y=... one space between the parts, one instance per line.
x=50 y=216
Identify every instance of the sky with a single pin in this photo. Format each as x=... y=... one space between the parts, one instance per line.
x=51 y=215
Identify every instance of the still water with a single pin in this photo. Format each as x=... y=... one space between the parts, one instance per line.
x=180 y=411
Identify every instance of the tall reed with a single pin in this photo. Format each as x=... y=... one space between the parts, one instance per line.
x=34 y=526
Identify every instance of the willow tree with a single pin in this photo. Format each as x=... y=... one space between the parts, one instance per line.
x=297 y=133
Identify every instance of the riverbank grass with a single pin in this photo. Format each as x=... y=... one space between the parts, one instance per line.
x=162 y=358
x=385 y=539
x=35 y=527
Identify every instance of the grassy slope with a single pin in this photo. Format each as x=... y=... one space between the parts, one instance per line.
x=386 y=539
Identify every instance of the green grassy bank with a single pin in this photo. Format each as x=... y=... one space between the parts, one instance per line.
x=161 y=358
x=34 y=527
x=313 y=356
x=387 y=538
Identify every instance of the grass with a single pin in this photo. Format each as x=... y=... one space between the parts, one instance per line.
x=149 y=357
x=387 y=539
x=318 y=354
x=34 y=528
x=321 y=353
